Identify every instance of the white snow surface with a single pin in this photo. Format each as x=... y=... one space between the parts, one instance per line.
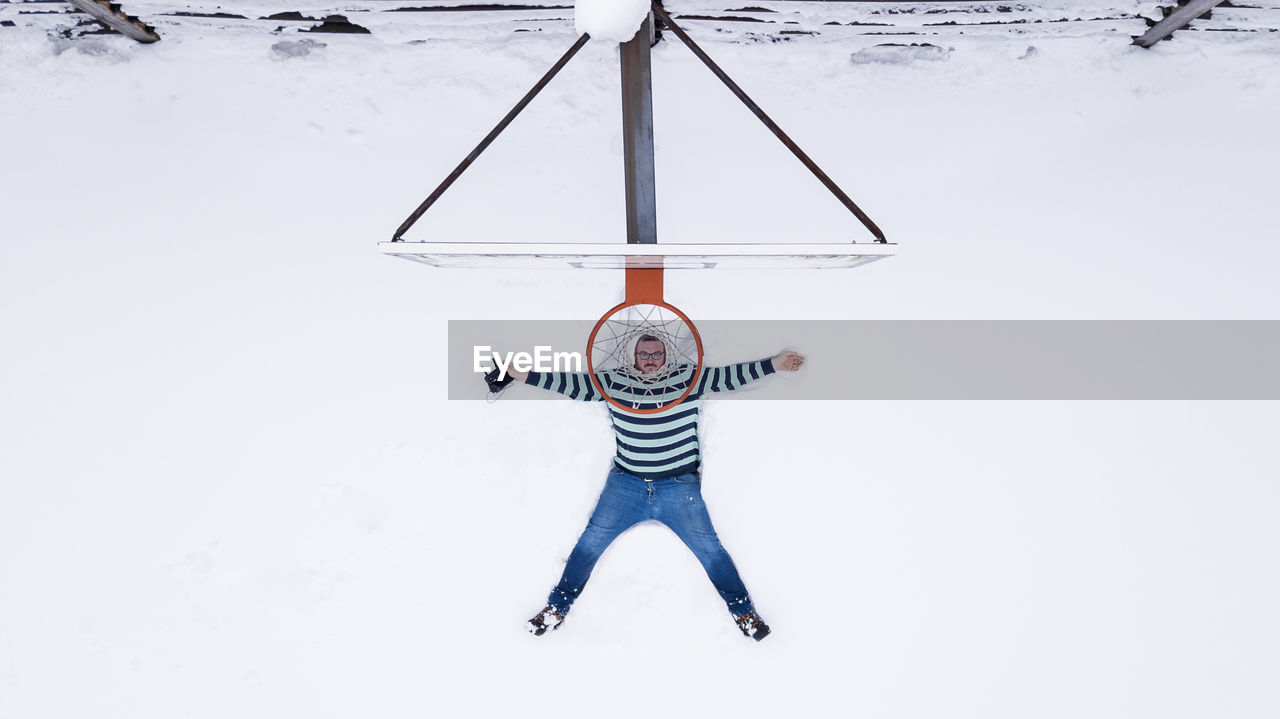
x=231 y=484
x=900 y=54
x=610 y=21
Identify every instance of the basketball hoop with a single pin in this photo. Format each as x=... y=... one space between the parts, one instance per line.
x=612 y=355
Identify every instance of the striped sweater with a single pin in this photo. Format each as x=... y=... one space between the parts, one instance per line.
x=660 y=444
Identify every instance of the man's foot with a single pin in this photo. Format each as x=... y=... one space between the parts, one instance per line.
x=752 y=625
x=544 y=620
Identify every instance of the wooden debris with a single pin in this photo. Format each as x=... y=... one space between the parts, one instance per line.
x=339 y=23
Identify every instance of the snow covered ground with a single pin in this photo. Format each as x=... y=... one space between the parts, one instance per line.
x=232 y=486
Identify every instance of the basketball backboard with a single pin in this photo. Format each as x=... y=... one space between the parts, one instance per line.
x=522 y=255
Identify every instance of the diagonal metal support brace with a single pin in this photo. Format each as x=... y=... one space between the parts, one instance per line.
x=1178 y=19
x=488 y=140
x=112 y=17
x=769 y=123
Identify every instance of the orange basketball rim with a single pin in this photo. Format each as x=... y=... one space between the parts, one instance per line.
x=643 y=287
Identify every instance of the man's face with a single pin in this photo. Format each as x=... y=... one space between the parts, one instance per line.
x=650 y=356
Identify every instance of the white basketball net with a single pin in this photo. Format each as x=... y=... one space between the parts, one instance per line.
x=614 y=348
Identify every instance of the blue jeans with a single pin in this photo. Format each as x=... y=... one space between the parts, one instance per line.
x=674 y=501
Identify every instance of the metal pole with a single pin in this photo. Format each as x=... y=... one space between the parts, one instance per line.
x=637 y=137
x=1179 y=18
x=488 y=139
x=769 y=123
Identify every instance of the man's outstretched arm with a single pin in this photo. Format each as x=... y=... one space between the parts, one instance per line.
x=574 y=385
x=735 y=376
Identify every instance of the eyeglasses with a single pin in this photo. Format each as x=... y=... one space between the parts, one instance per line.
x=650 y=355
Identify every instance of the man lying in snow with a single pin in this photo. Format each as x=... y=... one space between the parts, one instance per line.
x=655 y=473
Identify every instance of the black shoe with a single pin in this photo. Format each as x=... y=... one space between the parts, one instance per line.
x=544 y=620
x=752 y=625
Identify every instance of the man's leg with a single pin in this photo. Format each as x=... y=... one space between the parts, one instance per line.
x=683 y=510
x=621 y=504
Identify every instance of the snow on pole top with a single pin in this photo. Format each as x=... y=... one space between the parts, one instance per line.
x=609 y=20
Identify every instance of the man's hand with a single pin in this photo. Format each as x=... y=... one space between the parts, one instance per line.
x=788 y=362
x=496 y=384
x=517 y=375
